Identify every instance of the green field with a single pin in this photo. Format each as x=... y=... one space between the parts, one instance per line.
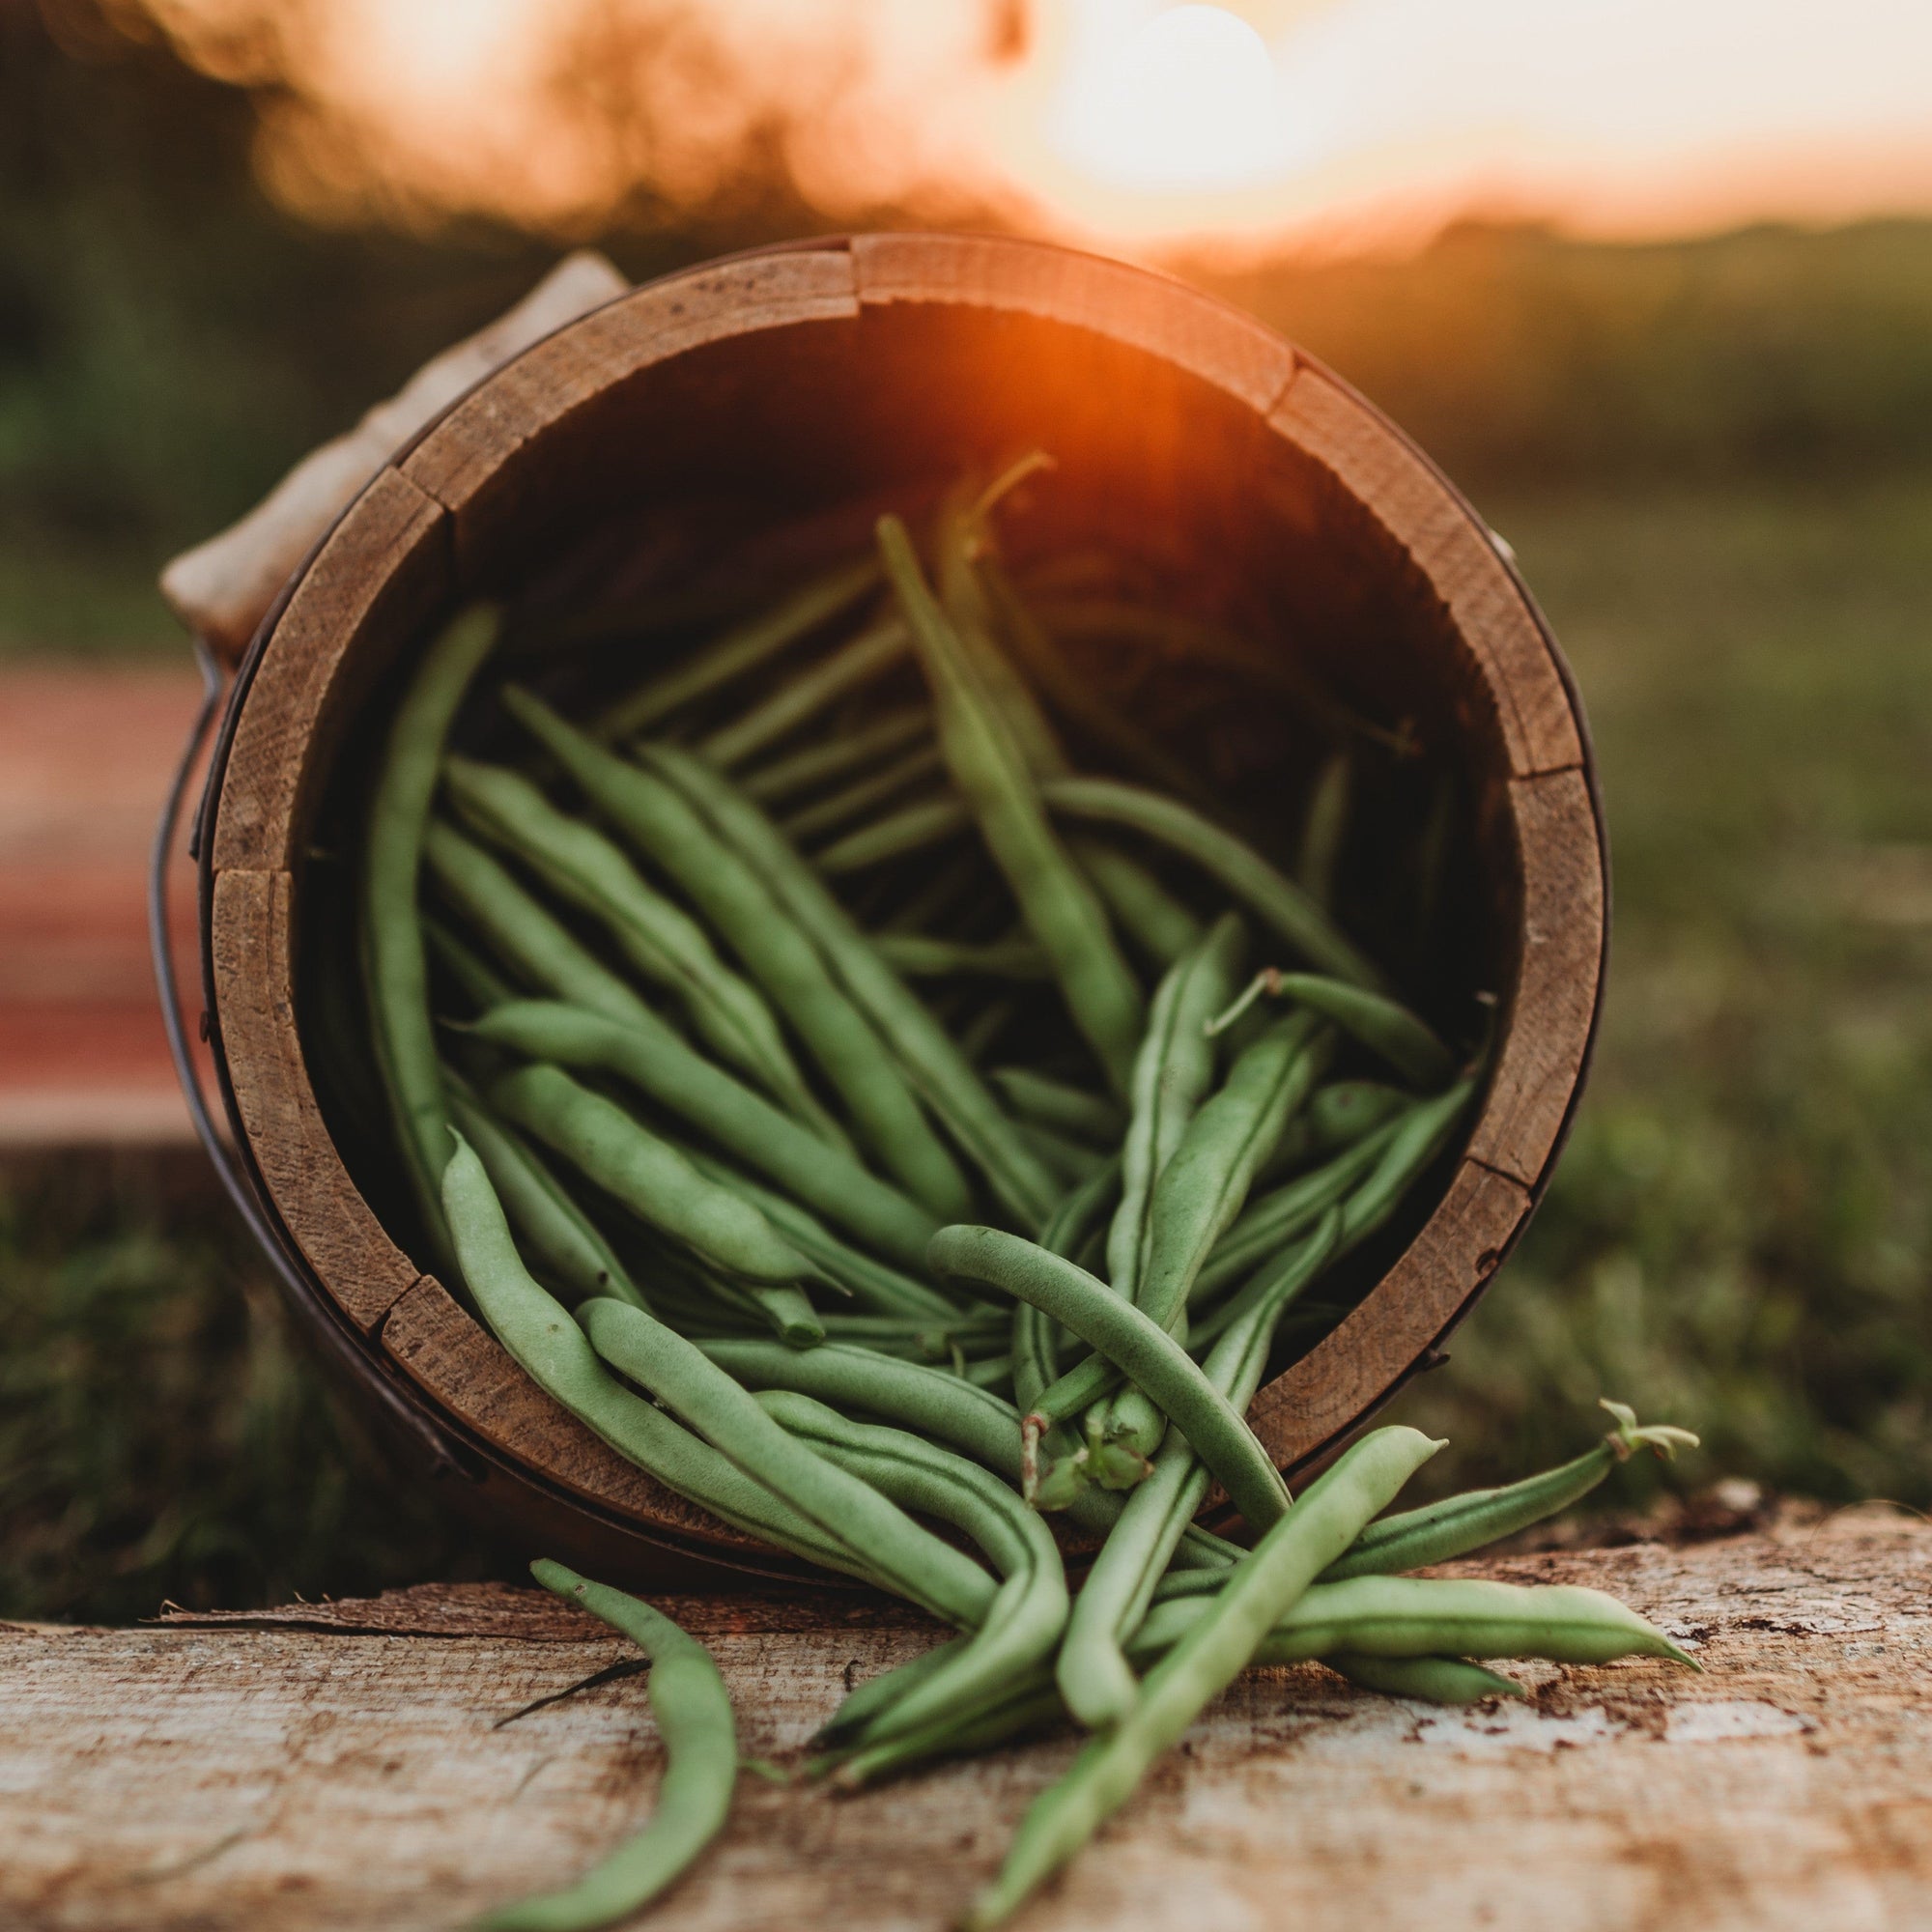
x=1740 y=1237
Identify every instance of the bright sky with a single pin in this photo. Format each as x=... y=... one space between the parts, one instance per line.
x=1129 y=123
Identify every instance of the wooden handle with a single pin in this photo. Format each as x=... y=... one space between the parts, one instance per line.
x=221 y=589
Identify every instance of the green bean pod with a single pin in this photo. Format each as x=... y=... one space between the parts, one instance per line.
x=561 y=1238
x=655 y=817
x=740 y=649
x=662 y=941
x=912 y=828
x=1145 y=1353
x=1030 y=1610
x=1091 y=1671
x=1158 y=923
x=864 y=795
x=1059 y=906
x=851 y=751
x=1385 y=1026
x=650 y=1175
x=478 y=982
x=1059 y=1105
x=1457 y=1525
x=1225 y=1638
x=905 y=1558
x=1272 y=897
x=942 y=1072
x=915 y=956
x=1436 y=1616
x=521 y=932
x=1172 y=1072
x=658 y=1065
x=851 y=666
x=537 y=1330
x=1428 y=1680
x=391 y=940
x=694 y=1718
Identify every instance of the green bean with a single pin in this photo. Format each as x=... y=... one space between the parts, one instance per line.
x=1030 y=1610
x=1279 y=1216
x=650 y=1175
x=912 y=828
x=740 y=649
x=1145 y=1353
x=1342 y=1112
x=865 y=1276
x=1202 y=1187
x=915 y=956
x=1078 y=701
x=1385 y=1026
x=1436 y=1616
x=562 y=1240
x=391 y=941
x=655 y=817
x=945 y=1737
x=977 y=1040
x=861 y=796
x=1149 y=913
x=694 y=1718
x=943 y=1074
x=1428 y=1680
x=1035 y=1351
x=1224 y=1638
x=907 y=1559
x=1325 y=828
x=666 y=946
x=1173 y=1074
x=537 y=1331
x=521 y=932
x=1091 y=1671
x=851 y=665
x=1061 y=908
x=1459 y=1524
x=837 y=758
x=1274 y=899
x=660 y=1066
x=1416 y=1141
x=1059 y=1104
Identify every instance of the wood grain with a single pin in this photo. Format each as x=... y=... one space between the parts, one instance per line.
x=494 y=457
x=1559 y=974
x=1457 y=554
x=1167 y=319
x=320 y=1205
x=382 y=576
x=1340 y=1380
x=446 y=1352
x=279 y=1781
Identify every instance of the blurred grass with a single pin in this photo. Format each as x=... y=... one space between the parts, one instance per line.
x=1739 y=1235
x=1738 y=1238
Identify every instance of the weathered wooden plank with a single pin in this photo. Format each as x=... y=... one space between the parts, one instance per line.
x=295 y=1778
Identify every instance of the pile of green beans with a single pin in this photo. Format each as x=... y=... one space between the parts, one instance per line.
x=862 y=1114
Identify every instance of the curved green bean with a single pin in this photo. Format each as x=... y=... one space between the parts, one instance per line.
x=862 y=795
x=1030 y=1611
x=838 y=758
x=395 y=966
x=657 y=819
x=907 y=1559
x=1061 y=908
x=1225 y=1638
x=537 y=1330
x=665 y=945
x=941 y=1071
x=740 y=649
x=1158 y=923
x=650 y=1175
x=1059 y=1105
x=658 y=1063
x=1145 y=1353
x=1385 y=1026
x=693 y=1716
x=850 y=665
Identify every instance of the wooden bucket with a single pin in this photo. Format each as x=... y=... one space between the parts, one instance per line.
x=805 y=375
